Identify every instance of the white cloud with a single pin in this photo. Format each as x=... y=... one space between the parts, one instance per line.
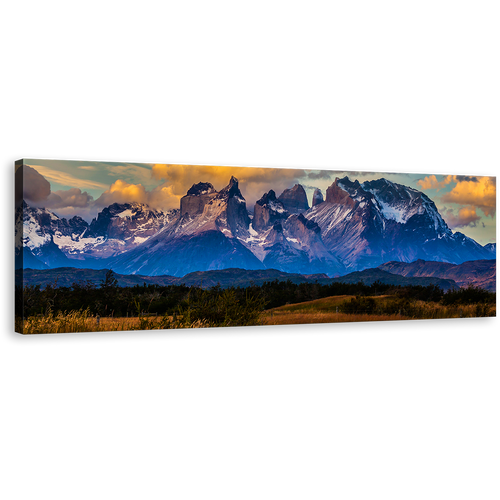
x=65 y=179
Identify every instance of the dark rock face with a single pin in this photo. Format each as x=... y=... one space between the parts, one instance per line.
x=205 y=235
x=335 y=194
x=35 y=231
x=196 y=198
x=317 y=197
x=237 y=215
x=200 y=189
x=492 y=248
x=294 y=199
x=295 y=245
x=231 y=190
x=267 y=198
x=368 y=224
x=179 y=256
x=120 y=220
x=67 y=227
x=356 y=226
x=99 y=226
x=267 y=211
x=236 y=211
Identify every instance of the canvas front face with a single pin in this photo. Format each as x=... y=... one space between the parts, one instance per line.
x=122 y=246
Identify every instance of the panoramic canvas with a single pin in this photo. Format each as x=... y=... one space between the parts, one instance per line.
x=134 y=246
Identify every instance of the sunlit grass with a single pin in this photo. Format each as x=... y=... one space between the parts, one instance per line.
x=329 y=310
x=82 y=321
x=326 y=310
x=300 y=318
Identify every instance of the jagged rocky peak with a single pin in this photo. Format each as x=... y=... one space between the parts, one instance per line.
x=277 y=226
x=348 y=184
x=294 y=199
x=267 y=211
x=99 y=226
x=236 y=212
x=308 y=224
x=267 y=198
x=231 y=190
x=200 y=189
x=390 y=192
x=197 y=197
x=336 y=194
x=317 y=197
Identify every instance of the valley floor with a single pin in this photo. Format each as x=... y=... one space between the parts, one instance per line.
x=331 y=310
x=297 y=318
x=337 y=309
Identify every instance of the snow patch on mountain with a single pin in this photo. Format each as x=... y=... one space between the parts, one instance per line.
x=277 y=207
x=33 y=235
x=392 y=212
x=126 y=214
x=74 y=244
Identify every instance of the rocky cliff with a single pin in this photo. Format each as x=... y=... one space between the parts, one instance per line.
x=196 y=198
x=294 y=200
x=267 y=211
x=317 y=197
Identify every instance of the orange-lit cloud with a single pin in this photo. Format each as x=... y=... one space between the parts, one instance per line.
x=478 y=192
x=467 y=216
x=431 y=182
x=162 y=197
x=122 y=192
x=253 y=181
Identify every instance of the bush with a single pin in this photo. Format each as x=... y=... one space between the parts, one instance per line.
x=359 y=305
x=469 y=295
x=210 y=308
x=223 y=308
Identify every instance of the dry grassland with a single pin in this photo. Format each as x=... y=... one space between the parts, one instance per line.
x=78 y=321
x=326 y=310
x=290 y=318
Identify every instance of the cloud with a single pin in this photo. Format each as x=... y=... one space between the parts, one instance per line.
x=163 y=196
x=66 y=179
x=320 y=174
x=431 y=182
x=87 y=167
x=30 y=185
x=73 y=197
x=130 y=172
x=467 y=216
x=122 y=192
x=478 y=193
x=36 y=190
x=253 y=181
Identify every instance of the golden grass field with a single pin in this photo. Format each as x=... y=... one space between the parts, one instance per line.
x=319 y=311
x=326 y=310
x=79 y=321
x=297 y=318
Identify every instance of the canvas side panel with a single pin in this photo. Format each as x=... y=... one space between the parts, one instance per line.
x=19 y=257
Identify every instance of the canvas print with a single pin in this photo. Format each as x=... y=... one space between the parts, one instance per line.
x=134 y=246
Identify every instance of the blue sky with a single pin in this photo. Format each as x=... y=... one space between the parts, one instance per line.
x=467 y=203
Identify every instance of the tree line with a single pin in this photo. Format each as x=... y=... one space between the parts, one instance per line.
x=233 y=305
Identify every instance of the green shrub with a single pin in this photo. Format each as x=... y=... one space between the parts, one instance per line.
x=469 y=295
x=359 y=305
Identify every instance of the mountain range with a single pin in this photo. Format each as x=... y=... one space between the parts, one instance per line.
x=353 y=227
x=67 y=276
x=480 y=273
